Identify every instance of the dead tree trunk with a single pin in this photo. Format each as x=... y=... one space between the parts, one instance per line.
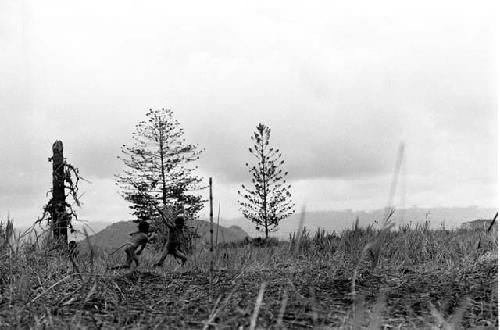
x=58 y=210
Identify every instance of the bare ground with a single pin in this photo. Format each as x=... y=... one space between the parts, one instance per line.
x=314 y=297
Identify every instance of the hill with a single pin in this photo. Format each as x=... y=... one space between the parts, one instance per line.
x=117 y=234
x=92 y=228
x=480 y=224
x=223 y=234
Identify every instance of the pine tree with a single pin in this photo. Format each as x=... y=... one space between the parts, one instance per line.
x=157 y=170
x=268 y=200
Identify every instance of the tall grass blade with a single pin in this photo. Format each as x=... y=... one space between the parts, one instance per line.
x=492 y=223
x=258 y=303
x=395 y=177
x=302 y=219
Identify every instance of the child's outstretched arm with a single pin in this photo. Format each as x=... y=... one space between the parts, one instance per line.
x=167 y=221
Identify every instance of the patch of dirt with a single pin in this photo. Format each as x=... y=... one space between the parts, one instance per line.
x=315 y=298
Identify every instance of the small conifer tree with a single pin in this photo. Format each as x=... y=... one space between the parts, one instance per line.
x=267 y=200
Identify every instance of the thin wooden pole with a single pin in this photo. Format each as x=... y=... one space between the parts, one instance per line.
x=217 y=230
x=211 y=238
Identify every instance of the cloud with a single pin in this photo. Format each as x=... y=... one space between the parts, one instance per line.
x=341 y=84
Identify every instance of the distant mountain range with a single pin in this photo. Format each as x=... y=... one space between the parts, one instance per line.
x=340 y=220
x=115 y=235
x=234 y=229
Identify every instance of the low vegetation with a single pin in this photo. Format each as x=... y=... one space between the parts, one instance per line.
x=423 y=278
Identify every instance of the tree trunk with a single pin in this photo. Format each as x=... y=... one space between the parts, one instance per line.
x=162 y=164
x=264 y=183
x=58 y=209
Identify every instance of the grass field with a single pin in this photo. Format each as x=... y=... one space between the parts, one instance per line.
x=423 y=279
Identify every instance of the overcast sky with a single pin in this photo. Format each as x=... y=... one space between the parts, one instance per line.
x=340 y=83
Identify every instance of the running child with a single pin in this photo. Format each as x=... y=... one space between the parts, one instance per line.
x=174 y=239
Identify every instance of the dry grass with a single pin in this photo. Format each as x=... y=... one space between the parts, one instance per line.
x=423 y=279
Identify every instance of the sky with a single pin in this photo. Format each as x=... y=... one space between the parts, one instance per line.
x=341 y=84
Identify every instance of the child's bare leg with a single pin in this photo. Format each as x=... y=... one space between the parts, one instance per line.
x=132 y=266
x=179 y=255
x=131 y=257
x=163 y=257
